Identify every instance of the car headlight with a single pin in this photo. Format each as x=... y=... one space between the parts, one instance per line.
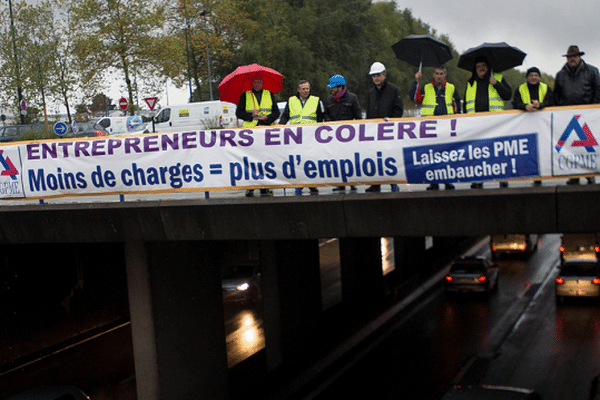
x=243 y=286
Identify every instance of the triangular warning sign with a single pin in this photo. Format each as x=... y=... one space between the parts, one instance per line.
x=151 y=101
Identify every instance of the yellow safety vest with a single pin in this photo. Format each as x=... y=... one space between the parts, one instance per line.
x=429 y=100
x=496 y=103
x=526 y=98
x=306 y=114
x=265 y=106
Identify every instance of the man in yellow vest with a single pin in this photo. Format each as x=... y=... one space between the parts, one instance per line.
x=439 y=97
x=257 y=107
x=533 y=94
x=486 y=92
x=303 y=109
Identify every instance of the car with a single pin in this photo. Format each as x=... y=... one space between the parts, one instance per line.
x=578 y=278
x=51 y=393
x=241 y=281
x=89 y=129
x=579 y=246
x=11 y=133
x=490 y=392
x=519 y=244
x=472 y=274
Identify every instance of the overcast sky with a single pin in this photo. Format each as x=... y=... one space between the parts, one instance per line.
x=543 y=29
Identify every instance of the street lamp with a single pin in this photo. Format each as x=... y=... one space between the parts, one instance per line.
x=187 y=57
x=204 y=13
x=18 y=69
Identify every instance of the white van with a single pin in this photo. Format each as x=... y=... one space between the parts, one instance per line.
x=125 y=125
x=196 y=116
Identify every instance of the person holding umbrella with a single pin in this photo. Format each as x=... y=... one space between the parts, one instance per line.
x=256 y=107
x=384 y=101
x=342 y=105
x=486 y=91
x=437 y=98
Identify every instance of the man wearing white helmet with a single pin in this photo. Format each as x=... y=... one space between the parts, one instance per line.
x=340 y=106
x=384 y=101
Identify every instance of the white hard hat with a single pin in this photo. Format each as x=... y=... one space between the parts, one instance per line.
x=377 y=68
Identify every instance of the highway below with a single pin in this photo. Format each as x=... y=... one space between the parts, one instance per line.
x=517 y=337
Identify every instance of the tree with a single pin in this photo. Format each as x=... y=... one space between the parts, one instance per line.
x=225 y=24
x=116 y=34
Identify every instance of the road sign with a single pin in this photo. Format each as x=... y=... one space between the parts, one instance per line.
x=151 y=101
x=23 y=105
x=60 y=128
x=123 y=103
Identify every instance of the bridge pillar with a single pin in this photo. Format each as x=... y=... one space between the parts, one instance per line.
x=361 y=269
x=177 y=320
x=291 y=297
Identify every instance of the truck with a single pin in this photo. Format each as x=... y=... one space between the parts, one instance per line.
x=203 y=115
x=579 y=246
x=518 y=244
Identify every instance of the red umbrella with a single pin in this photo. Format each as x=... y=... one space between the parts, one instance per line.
x=240 y=81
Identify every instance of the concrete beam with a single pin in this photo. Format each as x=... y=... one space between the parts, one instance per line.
x=444 y=213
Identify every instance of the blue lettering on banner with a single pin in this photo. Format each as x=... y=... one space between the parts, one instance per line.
x=477 y=160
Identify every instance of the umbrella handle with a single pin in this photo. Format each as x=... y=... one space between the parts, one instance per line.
x=420 y=65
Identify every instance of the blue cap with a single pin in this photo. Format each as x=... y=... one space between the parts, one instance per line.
x=336 y=80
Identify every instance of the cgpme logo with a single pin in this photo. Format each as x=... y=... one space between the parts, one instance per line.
x=584 y=133
x=9 y=168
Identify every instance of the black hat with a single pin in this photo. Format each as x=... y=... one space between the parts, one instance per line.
x=533 y=69
x=573 y=51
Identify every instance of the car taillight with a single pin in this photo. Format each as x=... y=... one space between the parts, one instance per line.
x=560 y=280
x=482 y=278
x=562 y=249
x=597 y=248
x=99 y=133
x=596 y=281
x=494 y=249
x=448 y=278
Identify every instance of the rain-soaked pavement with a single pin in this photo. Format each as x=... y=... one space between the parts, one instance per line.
x=516 y=337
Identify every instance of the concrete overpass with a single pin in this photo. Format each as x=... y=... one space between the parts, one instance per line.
x=173 y=271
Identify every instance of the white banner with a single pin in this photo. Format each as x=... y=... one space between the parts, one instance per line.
x=461 y=148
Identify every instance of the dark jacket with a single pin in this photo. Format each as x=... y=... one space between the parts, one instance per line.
x=347 y=108
x=579 y=85
x=482 y=101
x=385 y=102
x=534 y=93
x=241 y=113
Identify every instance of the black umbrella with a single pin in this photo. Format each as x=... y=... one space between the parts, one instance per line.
x=422 y=51
x=500 y=55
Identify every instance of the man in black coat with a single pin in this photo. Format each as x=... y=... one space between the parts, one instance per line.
x=384 y=101
x=577 y=83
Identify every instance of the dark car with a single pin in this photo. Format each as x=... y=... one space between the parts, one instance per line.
x=89 y=129
x=11 y=133
x=241 y=281
x=488 y=392
x=578 y=278
x=51 y=393
x=472 y=274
